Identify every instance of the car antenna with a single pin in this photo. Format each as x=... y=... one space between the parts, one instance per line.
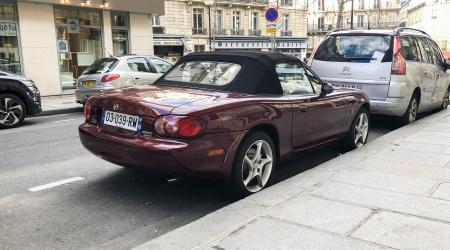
x=108 y=53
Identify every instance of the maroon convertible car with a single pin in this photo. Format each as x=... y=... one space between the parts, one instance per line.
x=229 y=114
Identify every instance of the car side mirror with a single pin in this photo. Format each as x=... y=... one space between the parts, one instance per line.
x=446 y=64
x=327 y=88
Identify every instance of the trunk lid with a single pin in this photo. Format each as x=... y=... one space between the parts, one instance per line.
x=150 y=101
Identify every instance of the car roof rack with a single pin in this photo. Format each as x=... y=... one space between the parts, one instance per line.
x=400 y=29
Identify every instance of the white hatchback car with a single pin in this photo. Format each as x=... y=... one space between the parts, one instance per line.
x=118 y=72
x=403 y=70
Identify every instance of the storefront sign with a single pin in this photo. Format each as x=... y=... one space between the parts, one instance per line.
x=63 y=46
x=8 y=29
x=258 y=45
x=167 y=43
x=271 y=28
x=74 y=25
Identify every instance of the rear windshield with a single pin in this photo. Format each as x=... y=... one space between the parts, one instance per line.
x=100 y=66
x=204 y=72
x=355 y=48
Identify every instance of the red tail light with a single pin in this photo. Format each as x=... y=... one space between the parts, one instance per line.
x=398 y=60
x=110 y=77
x=87 y=111
x=179 y=126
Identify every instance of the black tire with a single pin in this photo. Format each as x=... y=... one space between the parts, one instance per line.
x=350 y=141
x=15 y=113
x=409 y=117
x=247 y=146
x=446 y=101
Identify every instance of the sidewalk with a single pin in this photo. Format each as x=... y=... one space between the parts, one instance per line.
x=54 y=105
x=392 y=193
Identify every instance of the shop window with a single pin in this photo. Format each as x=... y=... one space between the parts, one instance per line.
x=9 y=41
x=120 y=24
x=79 y=42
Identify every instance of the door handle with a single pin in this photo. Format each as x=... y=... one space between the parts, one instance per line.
x=303 y=108
x=136 y=78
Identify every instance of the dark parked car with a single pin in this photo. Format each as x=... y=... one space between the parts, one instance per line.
x=19 y=97
x=231 y=114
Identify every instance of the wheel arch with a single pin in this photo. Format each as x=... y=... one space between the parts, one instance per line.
x=271 y=131
x=17 y=93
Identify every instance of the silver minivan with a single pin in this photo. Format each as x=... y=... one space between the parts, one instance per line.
x=403 y=70
x=118 y=72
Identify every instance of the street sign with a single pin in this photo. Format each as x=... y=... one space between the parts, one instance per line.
x=271 y=28
x=271 y=14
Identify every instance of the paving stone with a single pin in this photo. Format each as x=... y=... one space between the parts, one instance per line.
x=266 y=233
x=322 y=214
x=288 y=188
x=206 y=228
x=403 y=203
x=404 y=232
x=414 y=157
x=406 y=169
x=429 y=139
x=420 y=147
x=442 y=192
x=396 y=183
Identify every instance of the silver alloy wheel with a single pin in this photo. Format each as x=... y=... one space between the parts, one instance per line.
x=11 y=112
x=361 y=129
x=413 y=110
x=257 y=166
x=446 y=100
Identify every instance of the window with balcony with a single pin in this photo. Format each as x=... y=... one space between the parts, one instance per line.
x=236 y=25
x=321 y=4
x=360 y=21
x=286 y=26
x=376 y=4
x=197 y=22
x=218 y=23
x=254 y=24
x=361 y=4
x=321 y=23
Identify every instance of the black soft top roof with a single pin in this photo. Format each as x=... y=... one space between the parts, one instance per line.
x=257 y=74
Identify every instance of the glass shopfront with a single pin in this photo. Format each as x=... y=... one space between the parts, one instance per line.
x=120 y=23
x=9 y=40
x=79 y=42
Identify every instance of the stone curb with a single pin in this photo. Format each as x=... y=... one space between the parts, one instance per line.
x=211 y=229
x=60 y=111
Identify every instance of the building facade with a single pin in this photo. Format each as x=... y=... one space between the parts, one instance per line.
x=53 y=41
x=367 y=14
x=432 y=16
x=203 y=25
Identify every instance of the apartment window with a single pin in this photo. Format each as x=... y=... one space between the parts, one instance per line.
x=197 y=18
x=286 y=24
x=391 y=19
x=254 y=25
x=199 y=48
x=361 y=4
x=236 y=20
x=120 y=24
x=321 y=4
x=156 y=20
x=286 y=2
x=360 y=21
x=321 y=23
x=218 y=21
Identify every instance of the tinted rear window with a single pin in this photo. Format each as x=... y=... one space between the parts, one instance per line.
x=355 y=48
x=101 y=66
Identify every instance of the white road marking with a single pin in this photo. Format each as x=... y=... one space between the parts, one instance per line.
x=67 y=120
x=55 y=184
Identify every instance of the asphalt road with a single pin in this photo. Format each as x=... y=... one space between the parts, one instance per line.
x=107 y=206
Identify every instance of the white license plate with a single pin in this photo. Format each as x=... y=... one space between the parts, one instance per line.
x=347 y=85
x=130 y=122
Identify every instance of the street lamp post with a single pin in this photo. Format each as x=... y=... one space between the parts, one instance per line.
x=209 y=3
x=351 y=17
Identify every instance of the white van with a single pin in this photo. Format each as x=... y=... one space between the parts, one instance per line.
x=403 y=70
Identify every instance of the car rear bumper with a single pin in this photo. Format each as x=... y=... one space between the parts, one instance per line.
x=166 y=156
x=82 y=94
x=395 y=106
